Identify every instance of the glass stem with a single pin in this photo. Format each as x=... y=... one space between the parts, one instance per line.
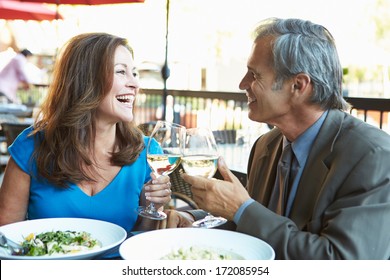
x=151 y=208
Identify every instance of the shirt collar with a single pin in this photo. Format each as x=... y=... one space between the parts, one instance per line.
x=302 y=145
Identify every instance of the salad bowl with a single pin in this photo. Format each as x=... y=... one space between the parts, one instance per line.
x=107 y=234
x=195 y=243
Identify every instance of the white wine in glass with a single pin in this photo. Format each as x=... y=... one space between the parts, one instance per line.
x=164 y=152
x=200 y=165
x=200 y=158
x=163 y=164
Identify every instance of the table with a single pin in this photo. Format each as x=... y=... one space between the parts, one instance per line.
x=18 y=110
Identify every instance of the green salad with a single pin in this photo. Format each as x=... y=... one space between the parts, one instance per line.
x=59 y=242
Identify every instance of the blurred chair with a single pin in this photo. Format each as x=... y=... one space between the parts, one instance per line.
x=225 y=136
x=4 y=157
x=18 y=110
x=180 y=189
x=147 y=127
x=9 y=131
x=4 y=117
x=12 y=130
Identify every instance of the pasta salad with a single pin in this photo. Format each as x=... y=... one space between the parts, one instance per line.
x=197 y=253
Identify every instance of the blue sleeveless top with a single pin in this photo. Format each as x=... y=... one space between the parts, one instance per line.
x=116 y=203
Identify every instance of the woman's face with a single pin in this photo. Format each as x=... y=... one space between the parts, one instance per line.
x=117 y=106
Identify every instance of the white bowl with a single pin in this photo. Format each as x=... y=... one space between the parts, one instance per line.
x=153 y=245
x=110 y=235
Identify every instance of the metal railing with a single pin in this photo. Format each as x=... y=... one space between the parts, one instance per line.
x=34 y=96
x=217 y=110
x=372 y=110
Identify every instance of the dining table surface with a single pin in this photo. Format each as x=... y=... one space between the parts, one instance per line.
x=18 y=110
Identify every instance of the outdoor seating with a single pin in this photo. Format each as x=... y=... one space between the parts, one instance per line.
x=147 y=127
x=181 y=189
x=225 y=136
x=12 y=130
x=18 y=110
x=376 y=108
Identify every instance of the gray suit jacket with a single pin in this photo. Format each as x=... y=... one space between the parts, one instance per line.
x=342 y=205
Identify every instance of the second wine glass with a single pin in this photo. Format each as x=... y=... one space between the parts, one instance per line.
x=164 y=151
x=200 y=158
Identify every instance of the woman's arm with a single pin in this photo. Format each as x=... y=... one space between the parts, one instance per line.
x=14 y=194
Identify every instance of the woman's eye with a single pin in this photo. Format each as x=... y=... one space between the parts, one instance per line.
x=123 y=72
x=135 y=74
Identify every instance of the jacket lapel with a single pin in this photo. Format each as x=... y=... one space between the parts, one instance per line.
x=263 y=164
x=316 y=170
x=263 y=161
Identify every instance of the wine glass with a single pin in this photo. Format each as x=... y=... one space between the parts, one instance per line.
x=200 y=158
x=164 y=151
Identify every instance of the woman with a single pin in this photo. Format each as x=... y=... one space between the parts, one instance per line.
x=84 y=157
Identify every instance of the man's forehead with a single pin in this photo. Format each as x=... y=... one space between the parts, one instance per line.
x=261 y=52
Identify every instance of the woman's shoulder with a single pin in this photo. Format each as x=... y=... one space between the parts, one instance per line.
x=22 y=148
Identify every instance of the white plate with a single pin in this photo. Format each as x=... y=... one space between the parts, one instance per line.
x=110 y=235
x=153 y=245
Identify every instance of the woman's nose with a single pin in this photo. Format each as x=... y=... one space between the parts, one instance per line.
x=133 y=82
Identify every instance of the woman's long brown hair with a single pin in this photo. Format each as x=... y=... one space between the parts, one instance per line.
x=65 y=130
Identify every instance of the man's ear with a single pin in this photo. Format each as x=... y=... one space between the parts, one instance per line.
x=301 y=81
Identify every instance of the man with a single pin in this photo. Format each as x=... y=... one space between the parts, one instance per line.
x=336 y=203
x=14 y=74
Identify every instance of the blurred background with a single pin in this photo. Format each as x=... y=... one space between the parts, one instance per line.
x=209 y=40
x=204 y=44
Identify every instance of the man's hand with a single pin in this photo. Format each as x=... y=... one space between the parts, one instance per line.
x=176 y=219
x=219 y=197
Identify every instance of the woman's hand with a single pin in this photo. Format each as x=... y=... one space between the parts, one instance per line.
x=158 y=190
x=176 y=219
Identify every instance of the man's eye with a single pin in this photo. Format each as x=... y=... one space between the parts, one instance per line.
x=256 y=76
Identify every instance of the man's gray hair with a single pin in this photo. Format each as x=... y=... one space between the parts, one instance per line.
x=301 y=46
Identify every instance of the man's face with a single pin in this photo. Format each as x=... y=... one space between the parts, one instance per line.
x=265 y=103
